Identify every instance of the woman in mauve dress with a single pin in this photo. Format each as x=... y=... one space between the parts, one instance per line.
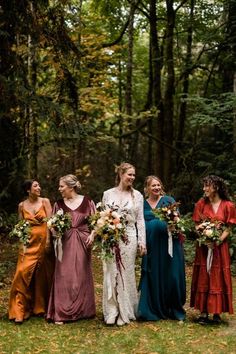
x=211 y=291
x=32 y=281
x=72 y=294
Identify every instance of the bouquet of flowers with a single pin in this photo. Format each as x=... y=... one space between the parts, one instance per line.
x=22 y=231
x=60 y=222
x=170 y=214
x=209 y=231
x=176 y=226
x=109 y=224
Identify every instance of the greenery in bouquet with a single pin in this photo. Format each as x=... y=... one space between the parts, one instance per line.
x=22 y=231
x=209 y=231
x=60 y=222
x=109 y=224
x=170 y=214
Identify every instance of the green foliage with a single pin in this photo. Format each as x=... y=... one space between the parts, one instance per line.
x=63 y=95
x=7 y=222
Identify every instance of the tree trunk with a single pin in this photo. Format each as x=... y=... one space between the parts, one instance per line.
x=33 y=123
x=169 y=92
x=156 y=64
x=186 y=69
x=133 y=144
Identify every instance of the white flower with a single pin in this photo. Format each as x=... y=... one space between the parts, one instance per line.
x=115 y=215
x=98 y=205
x=105 y=212
x=112 y=227
x=60 y=212
x=208 y=232
x=100 y=222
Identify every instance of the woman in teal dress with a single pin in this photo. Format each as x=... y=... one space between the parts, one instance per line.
x=162 y=285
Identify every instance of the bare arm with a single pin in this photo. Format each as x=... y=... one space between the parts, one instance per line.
x=225 y=234
x=20 y=214
x=48 y=210
x=48 y=207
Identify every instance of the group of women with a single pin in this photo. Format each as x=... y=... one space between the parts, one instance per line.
x=62 y=290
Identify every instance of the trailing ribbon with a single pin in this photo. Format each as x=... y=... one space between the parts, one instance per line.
x=170 y=243
x=58 y=248
x=209 y=259
x=107 y=280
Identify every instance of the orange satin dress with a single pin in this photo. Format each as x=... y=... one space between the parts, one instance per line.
x=32 y=281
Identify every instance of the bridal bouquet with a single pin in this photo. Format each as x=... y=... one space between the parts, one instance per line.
x=109 y=224
x=22 y=231
x=60 y=222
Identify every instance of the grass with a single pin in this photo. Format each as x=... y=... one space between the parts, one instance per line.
x=92 y=336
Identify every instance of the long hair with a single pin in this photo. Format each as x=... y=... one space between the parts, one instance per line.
x=121 y=169
x=219 y=185
x=72 y=182
x=148 y=181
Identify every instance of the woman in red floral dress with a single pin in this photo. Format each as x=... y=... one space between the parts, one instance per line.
x=211 y=292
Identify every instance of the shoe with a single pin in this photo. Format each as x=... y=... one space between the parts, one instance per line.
x=110 y=321
x=59 y=323
x=216 y=319
x=203 y=320
x=120 y=322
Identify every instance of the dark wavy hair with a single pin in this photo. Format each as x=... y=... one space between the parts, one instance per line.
x=219 y=185
x=27 y=184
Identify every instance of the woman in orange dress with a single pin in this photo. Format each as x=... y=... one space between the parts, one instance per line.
x=211 y=290
x=31 y=284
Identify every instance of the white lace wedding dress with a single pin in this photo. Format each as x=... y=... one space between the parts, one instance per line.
x=120 y=297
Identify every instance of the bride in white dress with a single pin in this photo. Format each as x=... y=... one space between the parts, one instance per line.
x=120 y=297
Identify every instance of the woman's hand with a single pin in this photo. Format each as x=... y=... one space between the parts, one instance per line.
x=48 y=245
x=90 y=239
x=210 y=244
x=142 y=249
x=53 y=232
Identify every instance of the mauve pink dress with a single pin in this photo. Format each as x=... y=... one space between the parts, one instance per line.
x=72 y=294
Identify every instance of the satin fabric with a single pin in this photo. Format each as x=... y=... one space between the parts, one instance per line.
x=162 y=283
x=72 y=293
x=32 y=281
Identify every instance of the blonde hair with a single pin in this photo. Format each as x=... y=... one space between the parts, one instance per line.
x=148 y=181
x=72 y=182
x=121 y=169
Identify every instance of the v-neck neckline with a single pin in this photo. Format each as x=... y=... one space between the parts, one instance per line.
x=215 y=212
x=29 y=212
x=156 y=203
x=76 y=207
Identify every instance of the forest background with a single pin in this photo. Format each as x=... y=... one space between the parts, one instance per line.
x=87 y=84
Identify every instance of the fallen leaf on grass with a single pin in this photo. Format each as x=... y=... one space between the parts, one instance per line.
x=153 y=327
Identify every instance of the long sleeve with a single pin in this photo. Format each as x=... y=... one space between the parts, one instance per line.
x=140 y=218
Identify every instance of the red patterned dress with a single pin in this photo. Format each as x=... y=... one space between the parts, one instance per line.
x=212 y=292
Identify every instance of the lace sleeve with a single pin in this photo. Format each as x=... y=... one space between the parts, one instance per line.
x=140 y=219
x=105 y=198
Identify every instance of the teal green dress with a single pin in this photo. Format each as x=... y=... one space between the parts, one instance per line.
x=162 y=284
